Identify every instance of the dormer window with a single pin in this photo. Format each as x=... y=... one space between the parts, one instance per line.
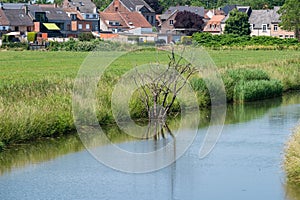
x=114 y=23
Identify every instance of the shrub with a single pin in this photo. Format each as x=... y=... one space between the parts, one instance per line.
x=231 y=40
x=86 y=36
x=31 y=36
x=257 y=90
x=292 y=158
x=247 y=74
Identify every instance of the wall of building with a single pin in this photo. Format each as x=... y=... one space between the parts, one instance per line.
x=281 y=33
x=166 y=27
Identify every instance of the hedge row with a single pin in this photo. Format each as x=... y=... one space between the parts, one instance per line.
x=209 y=40
x=73 y=45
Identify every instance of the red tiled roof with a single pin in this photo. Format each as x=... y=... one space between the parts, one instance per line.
x=126 y=20
x=115 y=16
x=135 y=19
x=216 y=19
x=3 y=19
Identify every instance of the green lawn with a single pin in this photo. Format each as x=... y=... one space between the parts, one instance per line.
x=36 y=87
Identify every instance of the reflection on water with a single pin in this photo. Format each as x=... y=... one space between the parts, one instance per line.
x=292 y=192
x=50 y=148
x=188 y=168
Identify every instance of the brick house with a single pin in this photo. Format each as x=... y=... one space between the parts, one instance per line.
x=133 y=6
x=168 y=18
x=130 y=22
x=84 y=15
x=213 y=26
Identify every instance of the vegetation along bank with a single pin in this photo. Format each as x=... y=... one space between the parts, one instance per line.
x=36 y=91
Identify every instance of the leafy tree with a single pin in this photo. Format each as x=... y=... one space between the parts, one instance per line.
x=155 y=5
x=102 y=4
x=237 y=23
x=189 y=20
x=290 y=16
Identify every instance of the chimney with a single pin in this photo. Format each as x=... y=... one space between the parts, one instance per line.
x=116 y=5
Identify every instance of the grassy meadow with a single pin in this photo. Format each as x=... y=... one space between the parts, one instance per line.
x=36 y=87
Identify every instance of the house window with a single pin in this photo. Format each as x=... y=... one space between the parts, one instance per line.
x=281 y=36
x=87 y=27
x=171 y=22
x=16 y=28
x=87 y=16
x=286 y=36
x=116 y=9
x=80 y=26
x=3 y=28
x=275 y=28
x=73 y=17
x=215 y=26
x=264 y=27
x=95 y=16
x=291 y=36
x=152 y=20
x=147 y=17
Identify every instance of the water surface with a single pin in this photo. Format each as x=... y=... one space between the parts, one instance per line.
x=245 y=164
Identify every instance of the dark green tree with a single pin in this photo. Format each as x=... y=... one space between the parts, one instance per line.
x=290 y=16
x=237 y=23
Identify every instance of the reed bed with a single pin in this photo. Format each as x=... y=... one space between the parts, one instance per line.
x=292 y=158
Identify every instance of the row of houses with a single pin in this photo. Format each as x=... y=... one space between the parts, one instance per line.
x=262 y=22
x=127 y=17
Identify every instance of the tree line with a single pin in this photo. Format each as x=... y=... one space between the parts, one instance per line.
x=161 y=5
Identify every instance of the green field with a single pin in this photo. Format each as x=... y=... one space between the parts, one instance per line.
x=36 y=87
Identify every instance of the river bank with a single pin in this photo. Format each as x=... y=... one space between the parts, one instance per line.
x=36 y=87
x=292 y=158
x=246 y=161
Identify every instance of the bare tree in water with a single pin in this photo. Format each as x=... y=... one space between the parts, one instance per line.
x=159 y=89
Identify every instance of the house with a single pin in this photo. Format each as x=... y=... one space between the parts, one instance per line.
x=4 y=23
x=50 y=19
x=227 y=9
x=133 y=6
x=84 y=15
x=15 y=20
x=168 y=17
x=266 y=23
x=130 y=22
x=213 y=26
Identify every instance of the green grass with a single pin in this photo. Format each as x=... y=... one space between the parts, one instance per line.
x=36 y=87
x=292 y=158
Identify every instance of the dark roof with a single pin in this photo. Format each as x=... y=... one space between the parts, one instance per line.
x=197 y=10
x=14 y=6
x=52 y=13
x=228 y=8
x=17 y=17
x=84 y=6
x=136 y=5
x=3 y=19
x=55 y=14
x=260 y=17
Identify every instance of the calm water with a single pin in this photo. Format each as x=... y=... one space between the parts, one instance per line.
x=245 y=164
